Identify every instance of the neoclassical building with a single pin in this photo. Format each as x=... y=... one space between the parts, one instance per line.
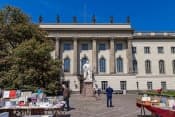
x=119 y=56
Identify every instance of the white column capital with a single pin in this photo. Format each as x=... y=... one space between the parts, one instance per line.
x=57 y=38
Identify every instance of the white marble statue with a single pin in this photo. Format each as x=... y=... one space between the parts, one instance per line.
x=87 y=72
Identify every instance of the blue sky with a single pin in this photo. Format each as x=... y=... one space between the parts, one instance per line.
x=146 y=15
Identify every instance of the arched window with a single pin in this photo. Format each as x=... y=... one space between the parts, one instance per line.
x=173 y=66
x=67 y=65
x=148 y=66
x=102 y=65
x=119 y=65
x=134 y=62
x=161 y=67
x=83 y=61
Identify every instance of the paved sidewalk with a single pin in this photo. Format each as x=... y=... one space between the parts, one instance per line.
x=124 y=106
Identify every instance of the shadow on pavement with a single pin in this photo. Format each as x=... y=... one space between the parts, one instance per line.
x=144 y=116
x=66 y=115
x=71 y=108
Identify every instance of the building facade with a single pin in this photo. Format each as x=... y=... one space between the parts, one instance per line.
x=119 y=56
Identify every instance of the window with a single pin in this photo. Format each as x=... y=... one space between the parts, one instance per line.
x=84 y=46
x=146 y=50
x=173 y=50
x=123 y=85
x=134 y=50
x=134 y=66
x=119 y=46
x=148 y=66
x=173 y=66
x=149 y=85
x=67 y=46
x=119 y=64
x=160 y=50
x=102 y=65
x=163 y=85
x=102 y=46
x=83 y=61
x=66 y=65
x=161 y=67
x=104 y=85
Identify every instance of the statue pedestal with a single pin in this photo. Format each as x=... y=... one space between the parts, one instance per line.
x=88 y=89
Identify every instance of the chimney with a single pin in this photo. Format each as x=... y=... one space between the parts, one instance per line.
x=74 y=19
x=93 y=19
x=111 y=19
x=57 y=19
x=40 y=19
x=128 y=20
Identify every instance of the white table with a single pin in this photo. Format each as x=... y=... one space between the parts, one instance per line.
x=32 y=110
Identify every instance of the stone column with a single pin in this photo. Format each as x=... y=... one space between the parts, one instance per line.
x=57 y=48
x=112 y=56
x=75 y=56
x=129 y=55
x=94 y=55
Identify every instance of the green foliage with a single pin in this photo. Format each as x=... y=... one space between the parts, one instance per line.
x=16 y=27
x=25 y=59
x=167 y=93
x=13 y=16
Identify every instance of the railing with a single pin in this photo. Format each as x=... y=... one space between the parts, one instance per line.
x=82 y=20
x=154 y=34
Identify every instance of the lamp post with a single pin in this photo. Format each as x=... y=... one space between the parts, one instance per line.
x=81 y=81
x=60 y=81
x=93 y=79
x=61 y=76
x=137 y=84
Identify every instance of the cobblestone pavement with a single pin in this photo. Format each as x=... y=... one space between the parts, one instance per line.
x=124 y=106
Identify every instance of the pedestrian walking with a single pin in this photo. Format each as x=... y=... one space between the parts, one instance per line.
x=66 y=96
x=1 y=92
x=98 y=92
x=95 y=93
x=109 y=92
x=40 y=94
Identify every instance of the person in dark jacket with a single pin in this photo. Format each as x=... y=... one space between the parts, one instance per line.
x=109 y=91
x=98 y=92
x=66 y=96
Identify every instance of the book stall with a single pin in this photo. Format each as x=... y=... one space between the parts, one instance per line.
x=162 y=106
x=27 y=104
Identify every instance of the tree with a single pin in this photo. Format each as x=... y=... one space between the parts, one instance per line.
x=33 y=66
x=15 y=27
x=25 y=60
